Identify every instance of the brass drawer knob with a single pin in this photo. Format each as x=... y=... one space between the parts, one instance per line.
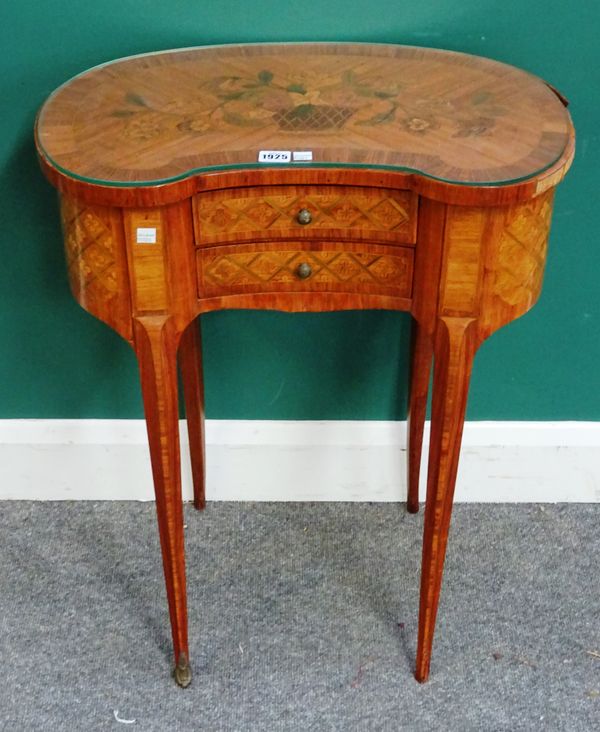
x=304 y=216
x=304 y=270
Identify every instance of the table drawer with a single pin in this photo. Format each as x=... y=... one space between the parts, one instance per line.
x=349 y=213
x=303 y=267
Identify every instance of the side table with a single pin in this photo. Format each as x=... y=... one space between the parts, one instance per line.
x=305 y=177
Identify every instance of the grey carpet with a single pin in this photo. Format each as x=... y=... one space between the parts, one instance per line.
x=302 y=617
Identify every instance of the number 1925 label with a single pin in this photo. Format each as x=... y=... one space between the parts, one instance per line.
x=274 y=156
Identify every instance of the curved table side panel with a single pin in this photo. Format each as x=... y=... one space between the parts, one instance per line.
x=514 y=261
x=97 y=263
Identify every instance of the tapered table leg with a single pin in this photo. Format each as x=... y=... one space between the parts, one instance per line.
x=156 y=349
x=190 y=364
x=420 y=369
x=454 y=349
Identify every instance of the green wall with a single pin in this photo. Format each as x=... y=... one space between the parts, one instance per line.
x=58 y=362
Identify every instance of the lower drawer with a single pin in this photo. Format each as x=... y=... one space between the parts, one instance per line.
x=303 y=267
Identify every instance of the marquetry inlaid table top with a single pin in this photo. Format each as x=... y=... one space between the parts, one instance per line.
x=164 y=116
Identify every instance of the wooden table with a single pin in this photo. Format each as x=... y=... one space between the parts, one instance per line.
x=305 y=177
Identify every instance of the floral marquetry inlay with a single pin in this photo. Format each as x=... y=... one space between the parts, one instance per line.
x=161 y=116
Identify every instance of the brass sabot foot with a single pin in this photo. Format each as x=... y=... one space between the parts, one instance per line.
x=183 y=671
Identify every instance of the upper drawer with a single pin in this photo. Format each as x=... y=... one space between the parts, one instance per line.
x=293 y=212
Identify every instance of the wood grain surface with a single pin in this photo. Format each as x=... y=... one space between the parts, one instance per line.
x=335 y=212
x=162 y=116
x=228 y=270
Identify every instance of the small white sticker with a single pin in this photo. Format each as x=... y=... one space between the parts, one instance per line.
x=274 y=156
x=145 y=236
x=303 y=155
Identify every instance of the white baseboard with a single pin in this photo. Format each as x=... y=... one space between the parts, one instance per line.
x=298 y=461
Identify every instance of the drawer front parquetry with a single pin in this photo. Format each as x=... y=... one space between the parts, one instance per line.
x=318 y=212
x=293 y=267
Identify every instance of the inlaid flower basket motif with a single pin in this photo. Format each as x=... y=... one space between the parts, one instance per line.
x=312 y=101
